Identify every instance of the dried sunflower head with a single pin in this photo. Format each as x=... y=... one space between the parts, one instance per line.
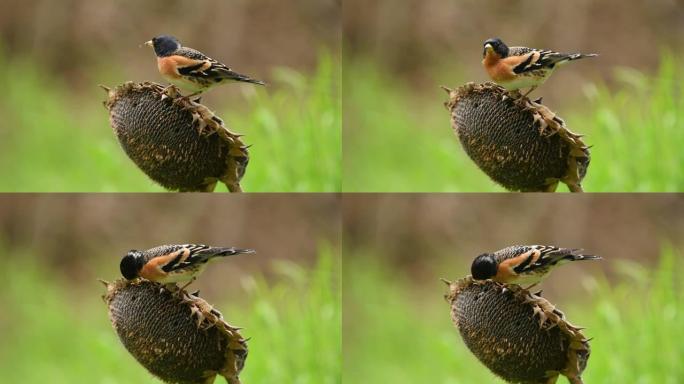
x=178 y=143
x=179 y=338
x=519 y=336
x=518 y=143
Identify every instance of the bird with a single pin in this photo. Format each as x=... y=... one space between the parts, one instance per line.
x=169 y=264
x=524 y=264
x=190 y=69
x=521 y=67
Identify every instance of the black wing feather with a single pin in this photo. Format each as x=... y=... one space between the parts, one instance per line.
x=217 y=70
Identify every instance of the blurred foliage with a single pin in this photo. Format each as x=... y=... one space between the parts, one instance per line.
x=457 y=228
x=637 y=131
x=55 y=141
x=69 y=38
x=78 y=235
x=296 y=132
x=57 y=336
x=296 y=324
x=389 y=318
x=400 y=140
x=408 y=39
x=637 y=323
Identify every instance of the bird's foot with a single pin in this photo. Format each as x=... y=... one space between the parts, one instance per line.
x=182 y=289
x=188 y=98
x=171 y=287
x=531 y=286
x=177 y=291
x=529 y=91
x=521 y=101
x=170 y=91
x=521 y=98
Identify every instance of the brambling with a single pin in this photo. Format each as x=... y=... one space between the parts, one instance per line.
x=521 y=67
x=168 y=264
x=524 y=264
x=190 y=69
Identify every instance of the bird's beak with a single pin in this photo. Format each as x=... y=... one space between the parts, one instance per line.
x=487 y=48
x=148 y=43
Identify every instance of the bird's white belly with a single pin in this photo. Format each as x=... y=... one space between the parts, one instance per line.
x=185 y=85
x=528 y=279
x=532 y=79
x=185 y=274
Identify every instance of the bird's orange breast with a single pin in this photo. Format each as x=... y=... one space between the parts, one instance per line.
x=497 y=69
x=152 y=270
x=168 y=67
x=505 y=272
x=501 y=70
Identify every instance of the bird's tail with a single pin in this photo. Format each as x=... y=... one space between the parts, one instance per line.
x=577 y=56
x=234 y=76
x=222 y=252
x=573 y=56
x=587 y=257
x=233 y=251
x=564 y=255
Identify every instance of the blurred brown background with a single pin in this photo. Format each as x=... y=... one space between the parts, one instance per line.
x=71 y=38
x=83 y=237
x=425 y=237
x=410 y=37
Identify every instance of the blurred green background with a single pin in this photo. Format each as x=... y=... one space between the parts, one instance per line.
x=287 y=297
x=629 y=102
x=55 y=133
x=397 y=326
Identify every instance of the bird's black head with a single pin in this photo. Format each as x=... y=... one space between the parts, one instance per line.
x=497 y=46
x=131 y=264
x=165 y=45
x=484 y=267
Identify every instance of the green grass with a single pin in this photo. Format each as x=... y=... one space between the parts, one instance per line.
x=296 y=133
x=637 y=131
x=51 y=335
x=56 y=141
x=396 y=331
x=399 y=139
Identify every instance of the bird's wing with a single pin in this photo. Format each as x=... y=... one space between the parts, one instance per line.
x=191 y=53
x=190 y=62
x=553 y=255
x=188 y=254
x=199 y=253
x=167 y=256
x=521 y=59
x=543 y=59
x=534 y=60
x=527 y=258
x=177 y=256
x=519 y=51
x=510 y=252
x=517 y=258
x=199 y=65
x=221 y=71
